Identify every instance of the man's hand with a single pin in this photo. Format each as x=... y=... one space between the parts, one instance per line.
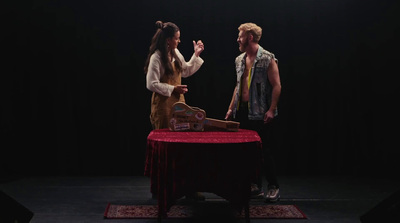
x=228 y=115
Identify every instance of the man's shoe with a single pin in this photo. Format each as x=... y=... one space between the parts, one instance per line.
x=272 y=194
x=256 y=193
x=197 y=196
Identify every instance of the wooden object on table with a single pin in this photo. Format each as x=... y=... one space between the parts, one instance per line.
x=188 y=118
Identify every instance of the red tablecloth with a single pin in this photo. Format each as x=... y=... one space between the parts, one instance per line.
x=223 y=163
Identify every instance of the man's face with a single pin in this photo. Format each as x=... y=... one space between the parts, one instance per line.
x=174 y=41
x=243 y=41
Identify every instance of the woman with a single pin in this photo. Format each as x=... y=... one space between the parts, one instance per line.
x=164 y=68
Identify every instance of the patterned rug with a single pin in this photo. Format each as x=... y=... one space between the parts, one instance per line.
x=183 y=211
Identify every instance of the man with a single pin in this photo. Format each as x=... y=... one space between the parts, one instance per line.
x=255 y=100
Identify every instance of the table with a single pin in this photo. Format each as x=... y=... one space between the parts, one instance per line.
x=223 y=163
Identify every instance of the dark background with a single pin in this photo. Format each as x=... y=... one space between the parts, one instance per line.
x=74 y=100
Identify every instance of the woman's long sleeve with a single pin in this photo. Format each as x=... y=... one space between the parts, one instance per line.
x=156 y=70
x=190 y=67
x=153 y=77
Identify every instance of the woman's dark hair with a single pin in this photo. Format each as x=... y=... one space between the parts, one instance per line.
x=159 y=42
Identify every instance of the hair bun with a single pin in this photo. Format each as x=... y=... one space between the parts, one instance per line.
x=159 y=24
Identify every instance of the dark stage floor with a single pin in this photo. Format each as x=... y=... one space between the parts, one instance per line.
x=84 y=199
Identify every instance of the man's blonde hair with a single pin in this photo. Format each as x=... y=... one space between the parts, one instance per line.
x=252 y=28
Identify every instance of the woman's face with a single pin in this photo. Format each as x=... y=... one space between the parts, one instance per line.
x=174 y=41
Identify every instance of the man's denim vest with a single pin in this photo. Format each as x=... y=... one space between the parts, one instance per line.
x=260 y=87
